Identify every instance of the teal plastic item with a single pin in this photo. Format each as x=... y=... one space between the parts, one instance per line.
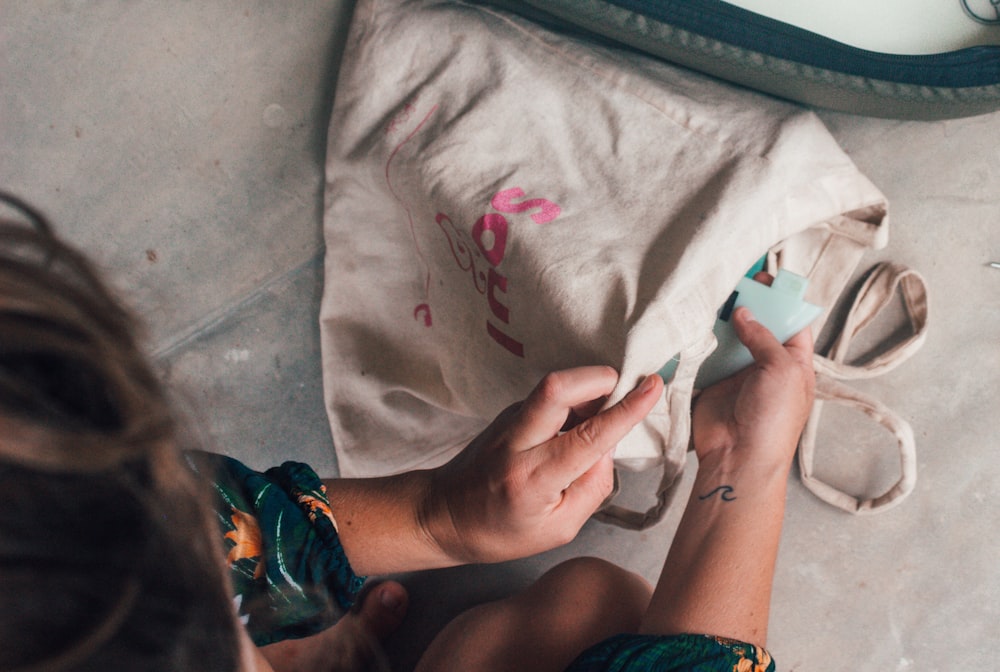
x=758 y=267
x=781 y=308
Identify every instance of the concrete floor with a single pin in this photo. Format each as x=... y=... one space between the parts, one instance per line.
x=182 y=146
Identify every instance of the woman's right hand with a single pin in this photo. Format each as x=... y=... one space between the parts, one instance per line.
x=762 y=409
x=718 y=575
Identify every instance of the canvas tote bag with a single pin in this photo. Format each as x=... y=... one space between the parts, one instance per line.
x=503 y=201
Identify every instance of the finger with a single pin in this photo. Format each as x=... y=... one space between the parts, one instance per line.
x=546 y=410
x=763 y=277
x=567 y=457
x=589 y=491
x=800 y=347
x=382 y=609
x=764 y=347
x=757 y=338
x=578 y=414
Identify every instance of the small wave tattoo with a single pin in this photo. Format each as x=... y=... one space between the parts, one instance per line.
x=727 y=493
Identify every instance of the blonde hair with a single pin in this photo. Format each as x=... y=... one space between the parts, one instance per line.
x=109 y=556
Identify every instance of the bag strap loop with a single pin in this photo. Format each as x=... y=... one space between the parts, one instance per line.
x=873 y=296
x=831 y=390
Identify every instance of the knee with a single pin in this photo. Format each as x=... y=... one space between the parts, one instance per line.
x=614 y=591
x=571 y=607
x=598 y=571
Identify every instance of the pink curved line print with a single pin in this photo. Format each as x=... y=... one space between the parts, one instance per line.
x=408 y=110
x=487 y=241
x=465 y=254
x=426 y=310
x=503 y=201
x=496 y=225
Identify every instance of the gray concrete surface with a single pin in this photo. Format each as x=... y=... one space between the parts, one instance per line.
x=181 y=144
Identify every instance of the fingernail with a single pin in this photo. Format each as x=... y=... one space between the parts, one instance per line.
x=745 y=314
x=390 y=600
x=647 y=385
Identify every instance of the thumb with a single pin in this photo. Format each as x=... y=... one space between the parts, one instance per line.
x=757 y=338
x=763 y=345
x=572 y=454
x=381 y=608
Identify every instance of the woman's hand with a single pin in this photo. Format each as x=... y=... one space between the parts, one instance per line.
x=530 y=481
x=718 y=575
x=525 y=485
x=762 y=409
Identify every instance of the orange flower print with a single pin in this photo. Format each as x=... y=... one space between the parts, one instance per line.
x=247 y=538
x=760 y=665
x=315 y=504
x=745 y=664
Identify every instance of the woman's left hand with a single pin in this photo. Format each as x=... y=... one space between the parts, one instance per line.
x=530 y=481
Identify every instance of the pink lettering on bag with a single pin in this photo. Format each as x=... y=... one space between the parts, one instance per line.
x=426 y=310
x=487 y=240
x=494 y=281
x=516 y=348
x=496 y=226
x=504 y=202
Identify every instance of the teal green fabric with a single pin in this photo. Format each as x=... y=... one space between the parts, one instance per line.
x=758 y=267
x=289 y=572
x=676 y=653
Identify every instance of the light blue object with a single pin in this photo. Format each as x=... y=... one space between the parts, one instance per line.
x=758 y=267
x=781 y=308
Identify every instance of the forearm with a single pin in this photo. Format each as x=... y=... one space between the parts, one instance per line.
x=718 y=574
x=379 y=523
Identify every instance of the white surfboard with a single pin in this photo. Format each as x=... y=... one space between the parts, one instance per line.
x=911 y=27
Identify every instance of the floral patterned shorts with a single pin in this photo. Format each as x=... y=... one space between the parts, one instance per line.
x=289 y=572
x=677 y=653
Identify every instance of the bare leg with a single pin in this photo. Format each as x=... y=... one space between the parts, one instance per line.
x=354 y=644
x=570 y=608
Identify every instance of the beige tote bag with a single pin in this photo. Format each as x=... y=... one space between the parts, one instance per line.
x=503 y=201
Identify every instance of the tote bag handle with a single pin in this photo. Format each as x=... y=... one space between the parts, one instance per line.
x=873 y=296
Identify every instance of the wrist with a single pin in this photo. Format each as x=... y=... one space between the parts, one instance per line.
x=437 y=524
x=380 y=523
x=429 y=524
x=746 y=462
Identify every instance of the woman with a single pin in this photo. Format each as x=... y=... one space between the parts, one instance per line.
x=115 y=554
